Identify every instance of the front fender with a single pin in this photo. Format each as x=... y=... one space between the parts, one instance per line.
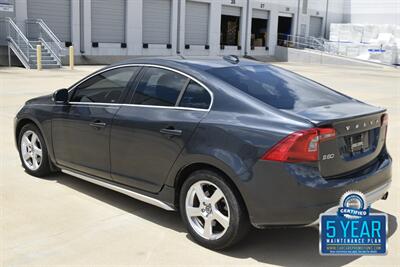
x=41 y=120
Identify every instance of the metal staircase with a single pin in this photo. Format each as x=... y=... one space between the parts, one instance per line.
x=48 y=59
x=26 y=49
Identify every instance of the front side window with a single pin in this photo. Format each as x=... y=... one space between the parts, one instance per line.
x=159 y=87
x=195 y=96
x=106 y=87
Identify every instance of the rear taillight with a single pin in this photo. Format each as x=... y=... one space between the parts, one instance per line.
x=301 y=146
x=385 y=119
x=385 y=122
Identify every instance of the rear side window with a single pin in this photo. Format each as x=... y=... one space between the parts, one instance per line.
x=159 y=87
x=195 y=96
x=278 y=88
x=106 y=87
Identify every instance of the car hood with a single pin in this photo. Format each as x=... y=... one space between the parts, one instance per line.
x=46 y=99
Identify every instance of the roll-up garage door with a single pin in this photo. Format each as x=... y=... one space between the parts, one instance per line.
x=315 y=26
x=56 y=14
x=260 y=14
x=108 y=21
x=156 y=21
x=231 y=11
x=7 y=8
x=196 y=26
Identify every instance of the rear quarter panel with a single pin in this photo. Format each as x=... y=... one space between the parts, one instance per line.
x=235 y=133
x=234 y=142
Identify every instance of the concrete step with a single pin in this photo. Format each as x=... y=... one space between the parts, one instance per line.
x=34 y=45
x=47 y=66
x=43 y=51
x=34 y=48
x=47 y=57
x=44 y=54
x=44 y=62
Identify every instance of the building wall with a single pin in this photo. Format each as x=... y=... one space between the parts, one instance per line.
x=372 y=11
x=335 y=14
x=82 y=37
x=7 y=8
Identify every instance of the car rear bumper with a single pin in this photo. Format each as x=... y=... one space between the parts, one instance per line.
x=371 y=197
x=293 y=194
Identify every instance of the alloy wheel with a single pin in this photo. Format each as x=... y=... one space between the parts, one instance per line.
x=207 y=210
x=31 y=150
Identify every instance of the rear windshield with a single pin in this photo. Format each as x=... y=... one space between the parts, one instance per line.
x=277 y=87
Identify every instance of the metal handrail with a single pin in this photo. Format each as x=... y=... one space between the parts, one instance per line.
x=19 y=53
x=15 y=27
x=298 y=41
x=348 y=49
x=48 y=31
x=21 y=43
x=48 y=38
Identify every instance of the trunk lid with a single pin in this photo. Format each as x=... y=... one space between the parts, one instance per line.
x=360 y=136
x=331 y=113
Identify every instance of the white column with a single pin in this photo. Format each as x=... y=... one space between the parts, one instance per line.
x=174 y=26
x=21 y=13
x=215 y=27
x=134 y=23
x=75 y=26
x=248 y=28
x=273 y=30
x=182 y=29
x=87 y=25
x=243 y=25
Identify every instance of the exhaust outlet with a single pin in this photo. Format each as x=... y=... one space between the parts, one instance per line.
x=385 y=196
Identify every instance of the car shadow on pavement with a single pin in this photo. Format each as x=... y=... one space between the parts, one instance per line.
x=278 y=246
x=146 y=211
x=292 y=246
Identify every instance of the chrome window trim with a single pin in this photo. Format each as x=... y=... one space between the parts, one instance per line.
x=145 y=106
x=137 y=105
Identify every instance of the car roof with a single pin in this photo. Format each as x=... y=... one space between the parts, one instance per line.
x=201 y=64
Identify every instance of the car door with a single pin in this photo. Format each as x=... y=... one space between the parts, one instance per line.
x=149 y=133
x=81 y=128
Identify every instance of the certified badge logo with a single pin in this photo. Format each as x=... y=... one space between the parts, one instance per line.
x=353 y=205
x=353 y=230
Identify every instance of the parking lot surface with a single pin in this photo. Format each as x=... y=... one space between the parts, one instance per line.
x=65 y=221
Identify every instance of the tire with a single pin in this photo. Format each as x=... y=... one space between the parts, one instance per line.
x=34 y=156
x=227 y=216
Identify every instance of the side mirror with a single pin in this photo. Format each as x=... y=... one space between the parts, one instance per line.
x=61 y=96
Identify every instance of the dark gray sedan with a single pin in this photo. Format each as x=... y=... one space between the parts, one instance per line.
x=228 y=142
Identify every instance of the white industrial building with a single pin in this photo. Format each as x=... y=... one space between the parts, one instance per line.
x=372 y=12
x=102 y=31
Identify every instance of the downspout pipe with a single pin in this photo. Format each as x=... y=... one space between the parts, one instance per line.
x=247 y=29
x=178 y=34
x=298 y=18
x=326 y=20
x=81 y=27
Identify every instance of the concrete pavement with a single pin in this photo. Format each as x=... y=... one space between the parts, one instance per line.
x=64 y=221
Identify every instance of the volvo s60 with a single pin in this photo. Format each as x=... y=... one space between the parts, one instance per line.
x=228 y=142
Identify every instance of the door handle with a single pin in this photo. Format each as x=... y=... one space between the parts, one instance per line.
x=98 y=124
x=171 y=131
